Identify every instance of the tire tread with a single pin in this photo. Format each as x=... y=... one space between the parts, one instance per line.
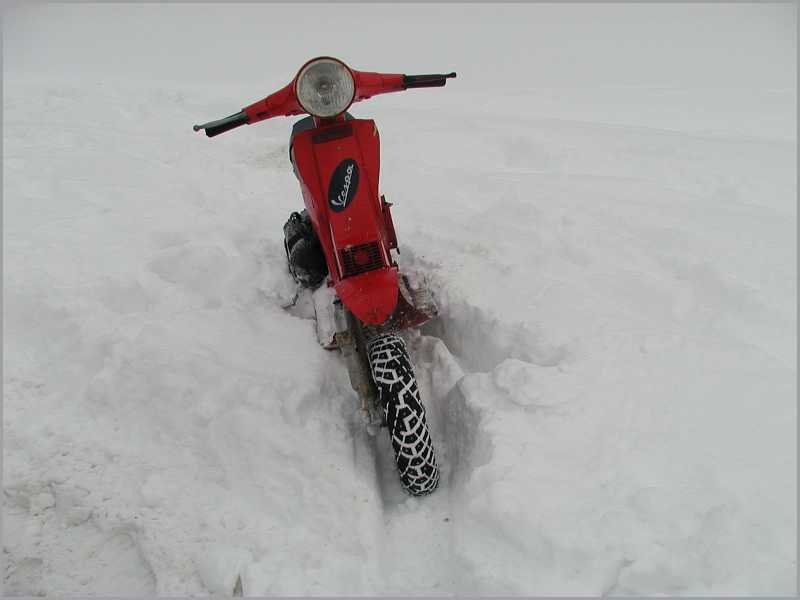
x=398 y=393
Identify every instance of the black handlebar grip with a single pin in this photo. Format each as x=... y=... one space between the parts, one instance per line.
x=420 y=81
x=222 y=125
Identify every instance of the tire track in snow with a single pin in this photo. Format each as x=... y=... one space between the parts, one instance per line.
x=424 y=547
x=421 y=551
x=418 y=549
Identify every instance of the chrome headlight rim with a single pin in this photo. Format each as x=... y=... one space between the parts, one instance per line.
x=304 y=69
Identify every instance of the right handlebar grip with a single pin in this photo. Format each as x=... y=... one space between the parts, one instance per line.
x=213 y=128
x=419 y=81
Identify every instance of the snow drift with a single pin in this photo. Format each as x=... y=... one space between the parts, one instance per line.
x=610 y=383
x=610 y=386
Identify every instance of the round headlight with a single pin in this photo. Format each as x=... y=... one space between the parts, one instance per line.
x=325 y=87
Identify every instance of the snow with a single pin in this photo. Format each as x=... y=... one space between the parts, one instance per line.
x=610 y=385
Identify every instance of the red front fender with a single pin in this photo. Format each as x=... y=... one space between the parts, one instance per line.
x=371 y=296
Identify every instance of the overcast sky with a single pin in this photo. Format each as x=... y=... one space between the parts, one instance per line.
x=517 y=45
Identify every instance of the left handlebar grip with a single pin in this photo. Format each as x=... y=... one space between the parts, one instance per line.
x=213 y=128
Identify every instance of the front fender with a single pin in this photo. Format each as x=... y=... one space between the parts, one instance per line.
x=371 y=296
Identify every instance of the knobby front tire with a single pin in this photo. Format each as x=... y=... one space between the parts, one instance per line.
x=398 y=393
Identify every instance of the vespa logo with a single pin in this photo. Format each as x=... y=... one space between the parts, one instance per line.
x=341 y=199
x=343 y=186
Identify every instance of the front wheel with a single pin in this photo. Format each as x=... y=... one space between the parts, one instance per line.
x=394 y=378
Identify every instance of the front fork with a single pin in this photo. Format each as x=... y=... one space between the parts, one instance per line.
x=338 y=328
x=351 y=340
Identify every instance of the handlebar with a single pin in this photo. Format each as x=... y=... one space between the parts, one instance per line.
x=284 y=102
x=420 y=81
x=213 y=128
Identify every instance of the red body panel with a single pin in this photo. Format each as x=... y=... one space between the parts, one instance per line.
x=370 y=295
x=338 y=165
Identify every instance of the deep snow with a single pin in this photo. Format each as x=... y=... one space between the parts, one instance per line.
x=610 y=386
x=605 y=204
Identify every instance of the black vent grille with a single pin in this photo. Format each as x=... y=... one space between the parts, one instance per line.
x=360 y=259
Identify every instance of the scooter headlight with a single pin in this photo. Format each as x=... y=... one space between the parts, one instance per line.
x=325 y=87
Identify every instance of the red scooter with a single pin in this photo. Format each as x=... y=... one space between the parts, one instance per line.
x=340 y=247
